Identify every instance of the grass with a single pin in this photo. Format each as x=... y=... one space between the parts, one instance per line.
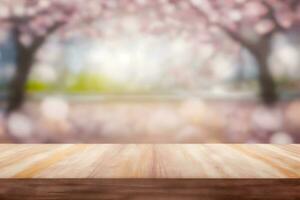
x=91 y=83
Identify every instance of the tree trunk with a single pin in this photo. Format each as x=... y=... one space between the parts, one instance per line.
x=268 y=89
x=24 y=61
x=267 y=85
x=261 y=52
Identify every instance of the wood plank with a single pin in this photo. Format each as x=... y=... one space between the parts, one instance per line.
x=149 y=161
x=146 y=189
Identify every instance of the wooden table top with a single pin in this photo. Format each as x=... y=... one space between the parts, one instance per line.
x=149 y=161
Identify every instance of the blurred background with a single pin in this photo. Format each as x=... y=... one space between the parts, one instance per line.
x=142 y=71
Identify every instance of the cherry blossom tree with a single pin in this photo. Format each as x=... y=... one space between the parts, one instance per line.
x=32 y=22
x=252 y=25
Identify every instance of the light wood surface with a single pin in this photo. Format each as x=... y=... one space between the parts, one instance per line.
x=149 y=161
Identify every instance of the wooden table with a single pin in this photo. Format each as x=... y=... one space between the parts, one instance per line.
x=163 y=171
x=149 y=161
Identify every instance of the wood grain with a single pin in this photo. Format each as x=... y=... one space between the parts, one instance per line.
x=149 y=189
x=149 y=161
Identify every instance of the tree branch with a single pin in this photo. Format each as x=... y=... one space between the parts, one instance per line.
x=236 y=36
x=271 y=15
x=40 y=40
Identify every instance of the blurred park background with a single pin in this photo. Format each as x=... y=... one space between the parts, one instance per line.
x=150 y=71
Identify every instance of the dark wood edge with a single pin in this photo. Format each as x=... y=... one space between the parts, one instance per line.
x=207 y=189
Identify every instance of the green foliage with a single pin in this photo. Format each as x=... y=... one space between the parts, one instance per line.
x=287 y=83
x=38 y=86
x=92 y=83
x=3 y=87
x=83 y=82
